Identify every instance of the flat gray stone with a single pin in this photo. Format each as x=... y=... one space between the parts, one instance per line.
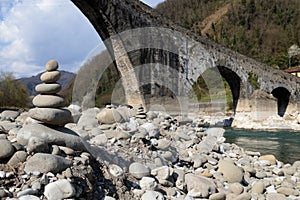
x=18 y=158
x=50 y=77
x=61 y=189
x=9 y=114
x=52 y=116
x=45 y=163
x=48 y=101
x=138 y=170
x=51 y=136
x=49 y=88
x=6 y=149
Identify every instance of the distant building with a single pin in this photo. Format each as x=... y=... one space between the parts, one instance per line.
x=294 y=70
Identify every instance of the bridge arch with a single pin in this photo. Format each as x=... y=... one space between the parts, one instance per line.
x=115 y=17
x=283 y=97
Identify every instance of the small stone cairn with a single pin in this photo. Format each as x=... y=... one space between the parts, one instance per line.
x=141 y=114
x=49 y=105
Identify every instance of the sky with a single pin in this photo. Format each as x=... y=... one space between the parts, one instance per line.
x=35 y=31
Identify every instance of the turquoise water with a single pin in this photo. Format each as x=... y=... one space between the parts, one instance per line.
x=285 y=146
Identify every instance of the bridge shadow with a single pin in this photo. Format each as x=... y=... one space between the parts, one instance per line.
x=283 y=98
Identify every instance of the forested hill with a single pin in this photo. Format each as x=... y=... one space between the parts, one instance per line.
x=261 y=29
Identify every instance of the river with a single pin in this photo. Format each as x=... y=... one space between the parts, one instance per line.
x=285 y=146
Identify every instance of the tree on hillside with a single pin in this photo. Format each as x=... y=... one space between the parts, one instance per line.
x=12 y=92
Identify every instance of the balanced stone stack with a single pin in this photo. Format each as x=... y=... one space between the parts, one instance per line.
x=141 y=113
x=49 y=105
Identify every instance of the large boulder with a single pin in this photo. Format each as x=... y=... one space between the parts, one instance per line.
x=49 y=135
x=110 y=116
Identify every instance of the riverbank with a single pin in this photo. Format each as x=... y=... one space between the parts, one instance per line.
x=140 y=156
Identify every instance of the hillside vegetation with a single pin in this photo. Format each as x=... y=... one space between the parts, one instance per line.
x=13 y=94
x=263 y=30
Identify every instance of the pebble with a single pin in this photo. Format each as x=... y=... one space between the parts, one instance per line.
x=46 y=163
x=230 y=171
x=152 y=195
x=51 y=65
x=18 y=158
x=46 y=101
x=27 y=192
x=28 y=197
x=258 y=187
x=148 y=183
x=50 y=76
x=201 y=184
x=217 y=196
x=139 y=170
x=109 y=116
x=270 y=158
x=6 y=149
x=61 y=189
x=236 y=188
x=49 y=88
x=115 y=170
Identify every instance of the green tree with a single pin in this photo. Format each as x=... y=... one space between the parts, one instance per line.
x=12 y=92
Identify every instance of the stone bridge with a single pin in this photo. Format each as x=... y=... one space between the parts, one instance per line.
x=151 y=50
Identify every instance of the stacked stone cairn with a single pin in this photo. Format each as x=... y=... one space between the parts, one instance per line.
x=49 y=105
x=141 y=114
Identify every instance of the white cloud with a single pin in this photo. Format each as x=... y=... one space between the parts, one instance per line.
x=34 y=31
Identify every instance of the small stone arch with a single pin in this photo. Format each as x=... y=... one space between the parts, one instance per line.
x=283 y=97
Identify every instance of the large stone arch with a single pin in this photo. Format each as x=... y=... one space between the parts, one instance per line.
x=112 y=17
x=98 y=13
